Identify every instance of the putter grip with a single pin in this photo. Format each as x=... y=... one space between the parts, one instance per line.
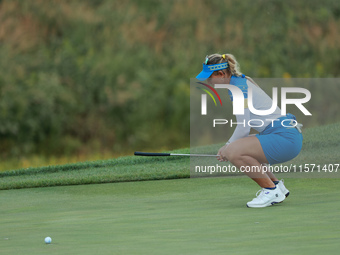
x=138 y=153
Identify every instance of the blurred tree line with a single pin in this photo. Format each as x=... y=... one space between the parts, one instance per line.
x=80 y=76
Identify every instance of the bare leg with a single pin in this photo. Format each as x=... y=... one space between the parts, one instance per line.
x=246 y=153
x=272 y=176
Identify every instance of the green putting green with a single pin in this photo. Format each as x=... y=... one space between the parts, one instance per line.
x=186 y=216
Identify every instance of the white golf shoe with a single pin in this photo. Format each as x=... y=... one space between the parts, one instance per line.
x=266 y=197
x=283 y=188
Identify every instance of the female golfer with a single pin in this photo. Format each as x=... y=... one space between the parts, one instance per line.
x=279 y=138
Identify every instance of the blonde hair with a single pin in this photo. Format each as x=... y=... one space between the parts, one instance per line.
x=233 y=66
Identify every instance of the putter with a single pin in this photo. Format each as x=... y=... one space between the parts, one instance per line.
x=138 y=153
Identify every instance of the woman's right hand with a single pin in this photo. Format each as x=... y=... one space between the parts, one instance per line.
x=221 y=153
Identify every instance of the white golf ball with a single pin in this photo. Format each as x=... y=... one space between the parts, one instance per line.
x=48 y=240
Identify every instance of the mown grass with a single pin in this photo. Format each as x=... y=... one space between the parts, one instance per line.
x=129 y=168
x=321 y=146
x=187 y=216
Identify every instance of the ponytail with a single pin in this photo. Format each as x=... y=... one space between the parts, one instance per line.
x=234 y=67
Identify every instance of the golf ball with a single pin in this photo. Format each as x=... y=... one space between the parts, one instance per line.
x=48 y=240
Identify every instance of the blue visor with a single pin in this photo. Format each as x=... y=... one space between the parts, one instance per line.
x=209 y=69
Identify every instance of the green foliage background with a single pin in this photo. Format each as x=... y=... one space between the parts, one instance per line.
x=81 y=76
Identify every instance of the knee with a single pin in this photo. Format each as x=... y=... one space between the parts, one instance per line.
x=232 y=154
